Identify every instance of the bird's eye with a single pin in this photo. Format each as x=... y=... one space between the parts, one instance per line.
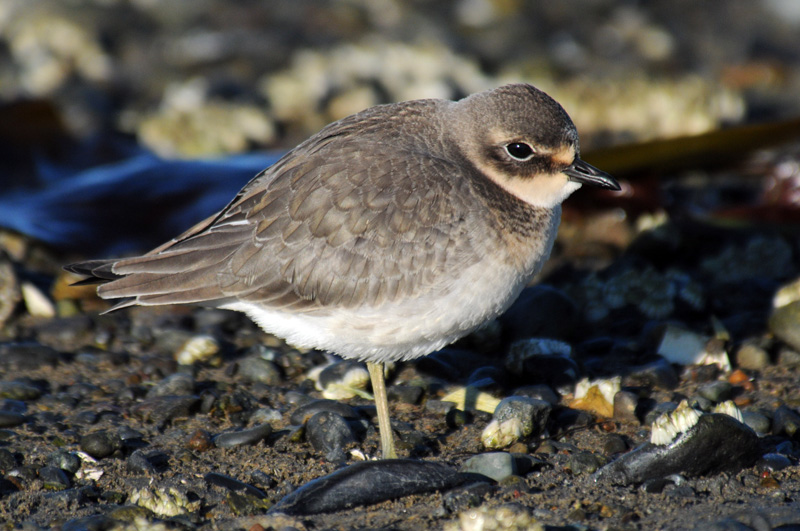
x=519 y=150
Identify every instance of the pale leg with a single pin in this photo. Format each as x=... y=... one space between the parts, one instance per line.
x=382 y=405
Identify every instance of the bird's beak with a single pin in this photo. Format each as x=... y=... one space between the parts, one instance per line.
x=583 y=172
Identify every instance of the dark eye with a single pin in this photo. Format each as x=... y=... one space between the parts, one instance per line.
x=519 y=150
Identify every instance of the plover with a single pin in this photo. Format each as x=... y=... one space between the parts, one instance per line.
x=385 y=236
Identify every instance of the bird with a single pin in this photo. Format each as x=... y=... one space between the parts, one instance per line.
x=383 y=237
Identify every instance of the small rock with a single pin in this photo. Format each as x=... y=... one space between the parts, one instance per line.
x=162 y=409
x=9 y=419
x=717 y=392
x=788 y=358
x=259 y=370
x=198 y=349
x=772 y=463
x=752 y=357
x=405 y=394
x=19 y=391
x=67 y=461
x=233 y=484
x=229 y=439
x=786 y=421
x=342 y=380
x=495 y=465
x=784 y=323
x=461 y=498
x=625 y=404
x=329 y=433
x=614 y=444
x=176 y=384
x=100 y=444
x=515 y=417
x=306 y=411
x=54 y=478
x=26 y=356
x=659 y=374
x=584 y=463
x=758 y=422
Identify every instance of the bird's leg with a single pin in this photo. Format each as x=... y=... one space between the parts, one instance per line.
x=382 y=405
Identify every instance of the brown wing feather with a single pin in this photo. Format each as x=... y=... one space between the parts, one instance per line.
x=312 y=232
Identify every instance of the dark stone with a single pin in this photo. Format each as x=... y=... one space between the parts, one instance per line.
x=716 y=443
x=471 y=495
x=329 y=433
x=233 y=484
x=229 y=439
x=369 y=482
x=406 y=394
x=100 y=444
x=54 y=478
x=162 y=409
x=309 y=409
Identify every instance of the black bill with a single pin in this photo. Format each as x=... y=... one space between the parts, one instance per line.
x=584 y=172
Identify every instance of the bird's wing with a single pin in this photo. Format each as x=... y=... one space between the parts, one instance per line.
x=341 y=221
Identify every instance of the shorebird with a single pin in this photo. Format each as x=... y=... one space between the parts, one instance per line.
x=383 y=237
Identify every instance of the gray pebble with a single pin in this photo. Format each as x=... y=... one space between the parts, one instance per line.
x=625 y=404
x=54 y=478
x=752 y=357
x=772 y=463
x=329 y=433
x=23 y=356
x=659 y=374
x=495 y=465
x=406 y=394
x=584 y=463
x=717 y=392
x=309 y=409
x=7 y=460
x=176 y=384
x=758 y=422
x=229 y=439
x=162 y=409
x=257 y=369
x=530 y=412
x=67 y=461
x=100 y=444
x=95 y=522
x=9 y=419
x=19 y=391
x=788 y=358
x=784 y=323
x=786 y=421
x=264 y=415
x=440 y=407
x=462 y=498
x=614 y=444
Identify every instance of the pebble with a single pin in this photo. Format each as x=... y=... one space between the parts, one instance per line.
x=614 y=444
x=343 y=380
x=19 y=391
x=716 y=392
x=197 y=349
x=67 y=461
x=509 y=517
x=176 y=384
x=229 y=439
x=54 y=478
x=494 y=465
x=625 y=405
x=584 y=463
x=233 y=484
x=514 y=418
x=462 y=498
x=715 y=443
x=752 y=357
x=7 y=460
x=786 y=421
x=100 y=444
x=27 y=356
x=9 y=419
x=257 y=369
x=758 y=422
x=658 y=374
x=542 y=360
x=405 y=394
x=148 y=463
x=788 y=358
x=366 y=483
x=307 y=410
x=772 y=463
x=330 y=434
x=784 y=323
x=162 y=409
x=95 y=522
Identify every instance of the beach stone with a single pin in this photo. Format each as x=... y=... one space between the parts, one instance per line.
x=176 y=384
x=64 y=460
x=625 y=404
x=758 y=422
x=752 y=357
x=54 y=478
x=309 y=409
x=229 y=439
x=100 y=444
x=329 y=433
x=495 y=465
x=716 y=392
x=257 y=369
